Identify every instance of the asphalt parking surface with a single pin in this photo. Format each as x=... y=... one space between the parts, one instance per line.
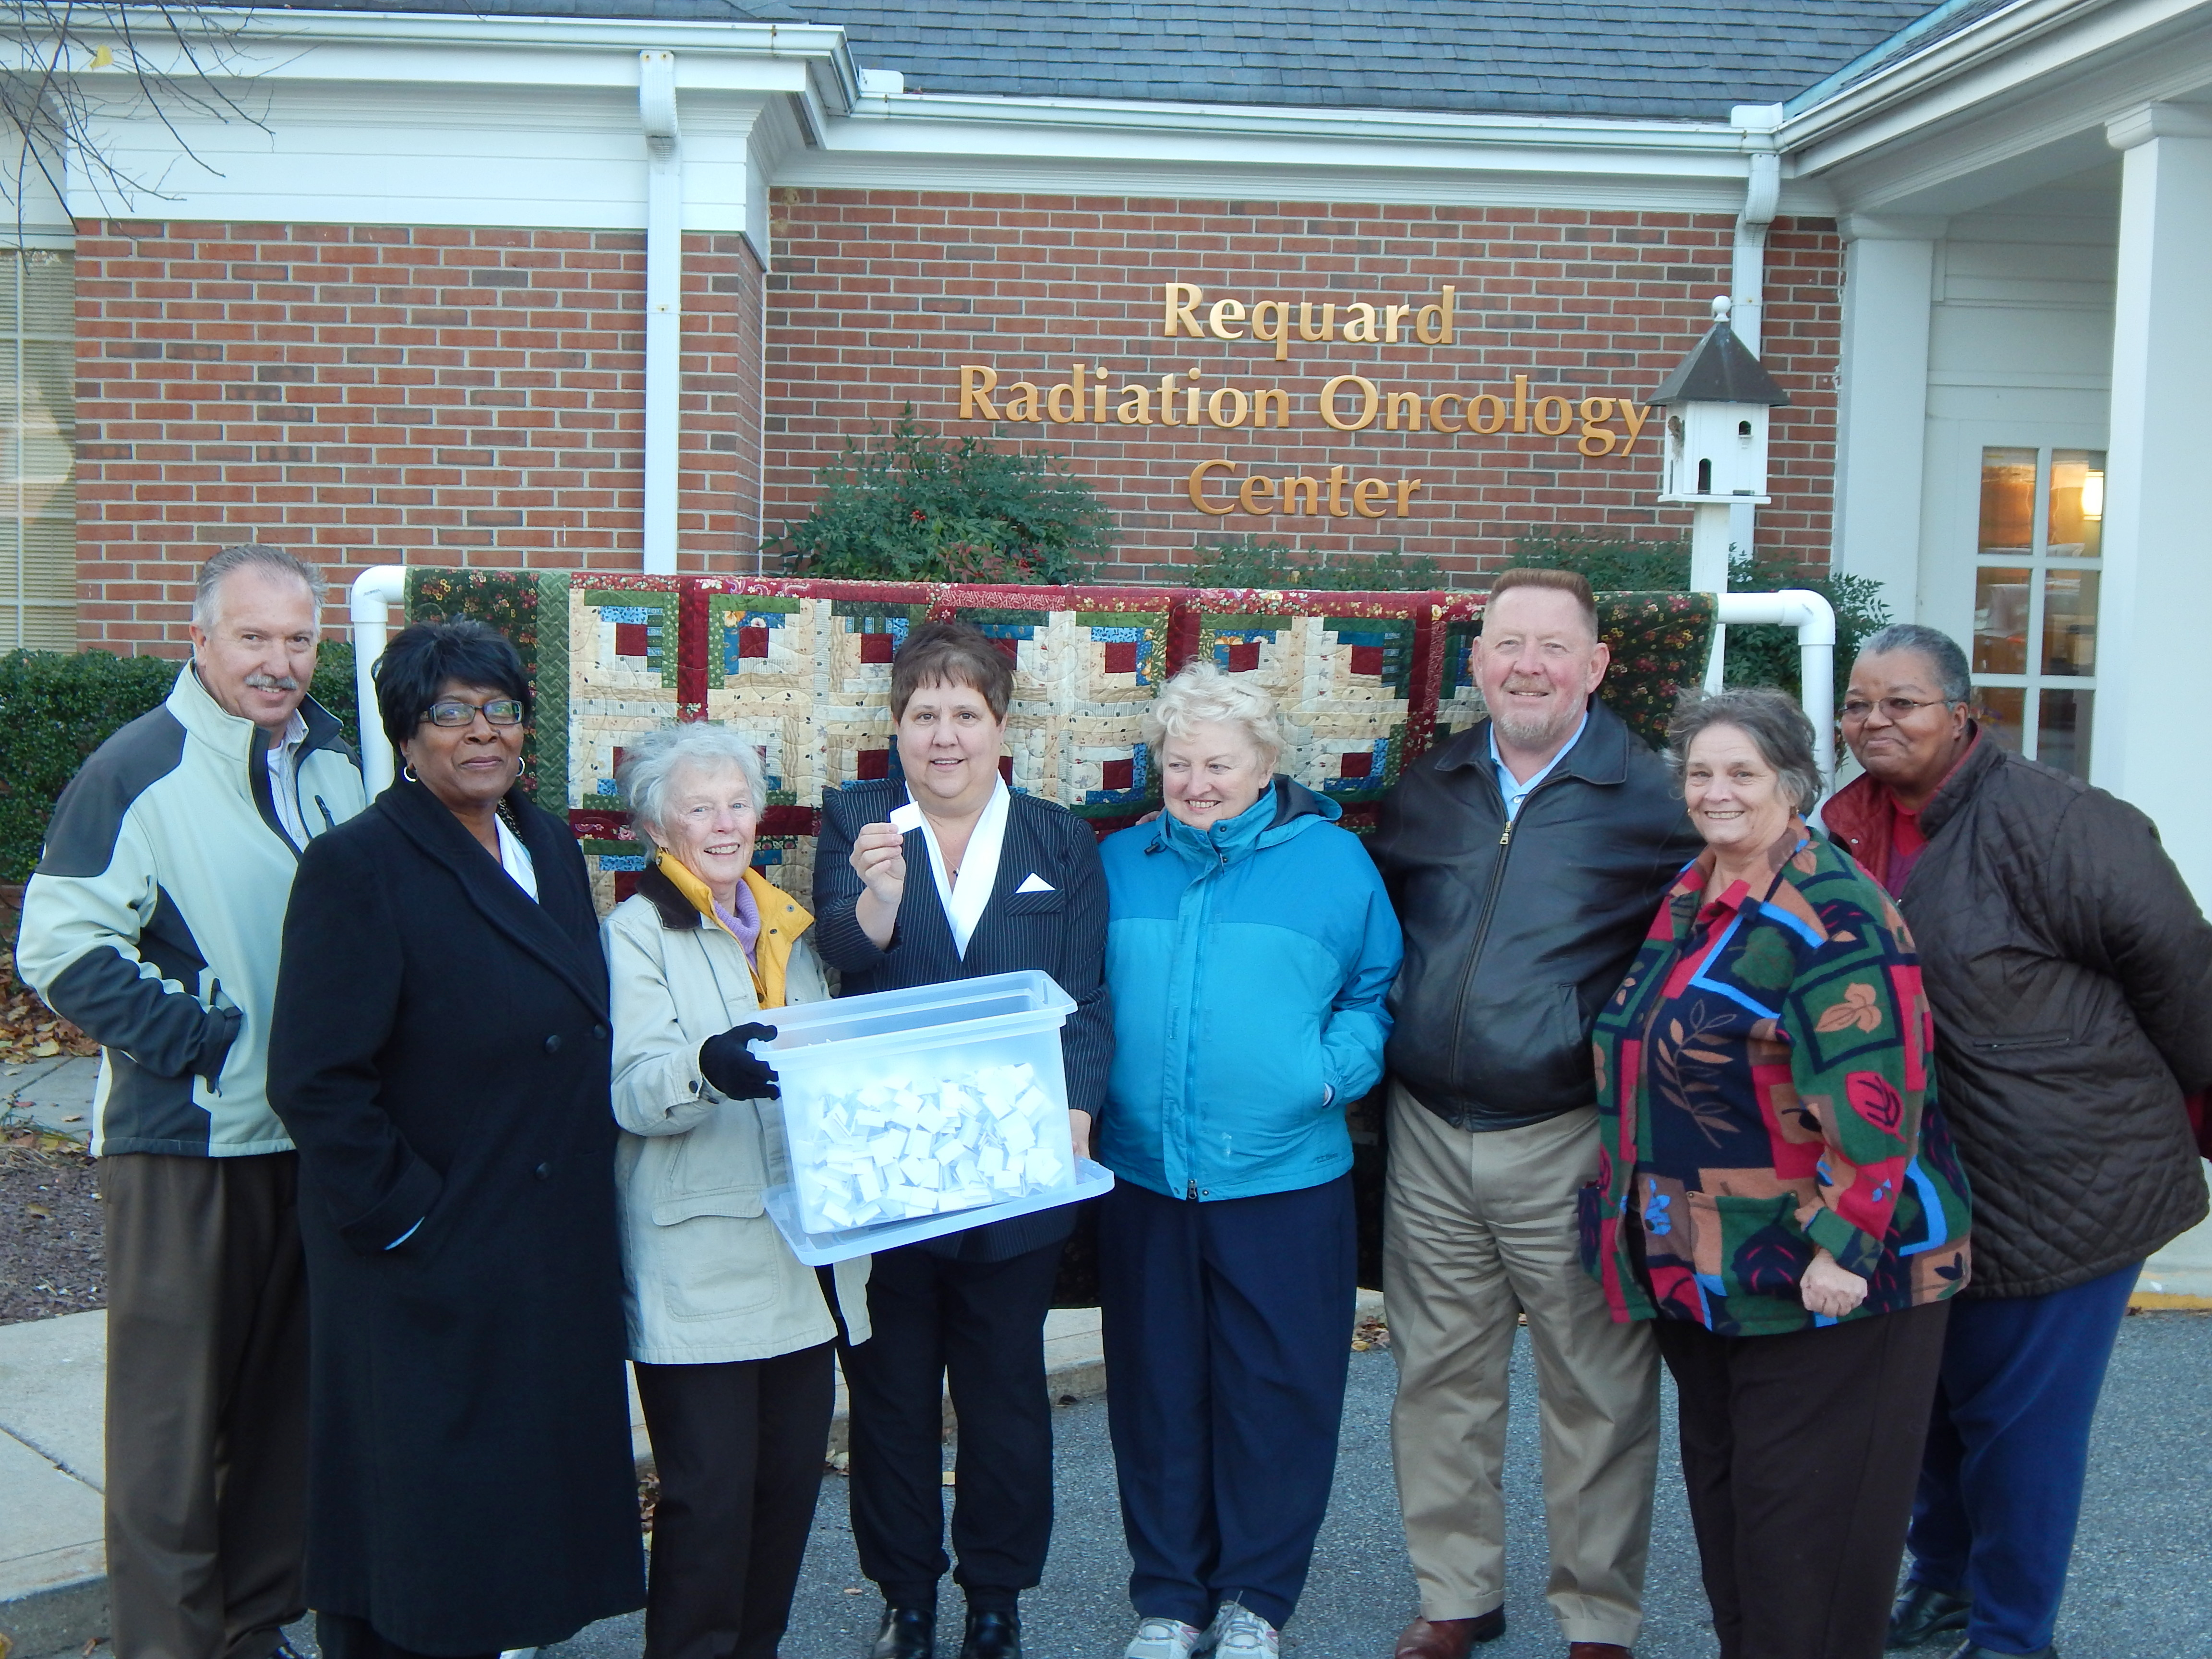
x=2139 y=1588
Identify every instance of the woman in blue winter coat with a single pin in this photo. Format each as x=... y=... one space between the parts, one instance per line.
x=1250 y=948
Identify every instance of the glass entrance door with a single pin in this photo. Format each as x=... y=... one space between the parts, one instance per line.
x=2038 y=562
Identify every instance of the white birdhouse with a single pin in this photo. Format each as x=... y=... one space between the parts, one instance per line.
x=1716 y=402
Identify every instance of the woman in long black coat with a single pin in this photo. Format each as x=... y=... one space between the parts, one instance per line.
x=439 y=1054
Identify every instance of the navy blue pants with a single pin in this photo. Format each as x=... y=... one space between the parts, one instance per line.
x=2007 y=1450
x=1228 y=1331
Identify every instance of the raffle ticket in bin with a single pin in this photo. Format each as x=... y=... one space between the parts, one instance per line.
x=910 y=1146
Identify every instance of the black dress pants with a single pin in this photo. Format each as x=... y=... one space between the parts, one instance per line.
x=979 y=1328
x=739 y=1448
x=1801 y=1453
x=341 y=1636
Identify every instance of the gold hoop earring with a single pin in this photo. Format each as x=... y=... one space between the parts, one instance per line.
x=408 y=772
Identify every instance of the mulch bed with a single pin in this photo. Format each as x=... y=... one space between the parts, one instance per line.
x=53 y=1254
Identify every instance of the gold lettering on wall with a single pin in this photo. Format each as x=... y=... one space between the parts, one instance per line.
x=1598 y=424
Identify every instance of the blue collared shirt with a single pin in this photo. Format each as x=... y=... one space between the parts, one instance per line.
x=1516 y=792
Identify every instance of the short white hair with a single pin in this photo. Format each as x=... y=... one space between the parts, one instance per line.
x=651 y=762
x=1201 y=695
x=207 y=591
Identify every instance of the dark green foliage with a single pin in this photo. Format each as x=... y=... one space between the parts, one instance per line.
x=1756 y=656
x=905 y=506
x=1252 y=562
x=57 y=706
x=333 y=687
x=1612 y=567
x=1768 y=656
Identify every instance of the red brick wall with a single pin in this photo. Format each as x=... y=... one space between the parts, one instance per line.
x=878 y=297
x=387 y=394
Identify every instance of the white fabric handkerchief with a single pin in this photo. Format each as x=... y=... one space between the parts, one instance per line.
x=1036 y=883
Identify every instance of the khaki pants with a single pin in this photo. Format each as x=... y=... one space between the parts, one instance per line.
x=1478 y=1228
x=207 y=1403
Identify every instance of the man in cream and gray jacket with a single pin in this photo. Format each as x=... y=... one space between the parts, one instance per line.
x=154 y=921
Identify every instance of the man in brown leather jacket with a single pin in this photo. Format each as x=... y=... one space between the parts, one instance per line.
x=1526 y=857
x=2070 y=973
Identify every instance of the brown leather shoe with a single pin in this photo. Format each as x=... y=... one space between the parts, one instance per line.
x=1597 y=1651
x=1449 y=1638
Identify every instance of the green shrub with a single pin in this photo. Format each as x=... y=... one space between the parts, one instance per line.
x=57 y=706
x=1249 y=562
x=905 y=506
x=1756 y=655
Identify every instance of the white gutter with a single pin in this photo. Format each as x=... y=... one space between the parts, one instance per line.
x=664 y=303
x=1290 y=121
x=1818 y=114
x=375 y=591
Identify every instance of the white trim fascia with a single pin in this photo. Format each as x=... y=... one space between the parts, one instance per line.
x=2035 y=41
x=1093 y=147
x=1594 y=189
x=1301 y=121
x=2028 y=131
x=816 y=63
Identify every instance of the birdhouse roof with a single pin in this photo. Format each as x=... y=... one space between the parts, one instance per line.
x=1720 y=370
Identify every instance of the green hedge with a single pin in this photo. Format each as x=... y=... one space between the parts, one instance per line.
x=57 y=706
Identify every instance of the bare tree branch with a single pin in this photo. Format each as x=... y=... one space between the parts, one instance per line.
x=71 y=71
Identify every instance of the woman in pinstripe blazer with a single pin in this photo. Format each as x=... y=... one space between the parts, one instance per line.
x=987 y=882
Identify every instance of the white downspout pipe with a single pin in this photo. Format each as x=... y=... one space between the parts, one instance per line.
x=1720 y=531
x=375 y=591
x=1762 y=195
x=1815 y=619
x=664 y=302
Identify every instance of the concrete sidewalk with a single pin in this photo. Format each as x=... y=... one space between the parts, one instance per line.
x=53 y=1094
x=54 y=1377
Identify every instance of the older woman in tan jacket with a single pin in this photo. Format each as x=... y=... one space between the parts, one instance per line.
x=733 y=1337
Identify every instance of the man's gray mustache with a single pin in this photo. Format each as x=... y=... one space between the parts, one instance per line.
x=272 y=683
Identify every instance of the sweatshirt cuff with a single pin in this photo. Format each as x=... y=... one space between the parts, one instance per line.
x=1855 y=1251
x=217 y=1038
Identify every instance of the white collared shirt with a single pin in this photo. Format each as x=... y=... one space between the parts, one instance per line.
x=515 y=859
x=282 y=758
x=1513 y=789
x=979 y=866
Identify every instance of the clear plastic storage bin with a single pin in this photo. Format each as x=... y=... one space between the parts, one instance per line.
x=923 y=1112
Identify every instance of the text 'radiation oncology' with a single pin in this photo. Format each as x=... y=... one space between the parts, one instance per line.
x=1198 y=397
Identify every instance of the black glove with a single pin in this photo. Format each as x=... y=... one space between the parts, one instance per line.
x=727 y=1063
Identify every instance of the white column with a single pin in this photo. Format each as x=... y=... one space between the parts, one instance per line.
x=2154 y=673
x=1881 y=421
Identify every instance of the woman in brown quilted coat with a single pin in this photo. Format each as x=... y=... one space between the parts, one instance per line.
x=2070 y=972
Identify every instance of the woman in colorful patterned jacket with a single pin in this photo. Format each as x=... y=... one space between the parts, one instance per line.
x=1779 y=1194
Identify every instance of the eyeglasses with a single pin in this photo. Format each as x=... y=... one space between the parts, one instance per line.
x=1898 y=709
x=500 y=711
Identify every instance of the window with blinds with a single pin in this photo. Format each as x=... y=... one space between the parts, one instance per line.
x=38 y=450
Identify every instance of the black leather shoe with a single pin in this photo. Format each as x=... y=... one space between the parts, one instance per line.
x=1976 y=1651
x=1924 y=1612
x=992 y=1635
x=906 y=1633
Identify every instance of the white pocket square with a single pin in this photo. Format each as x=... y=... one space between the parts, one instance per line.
x=1036 y=883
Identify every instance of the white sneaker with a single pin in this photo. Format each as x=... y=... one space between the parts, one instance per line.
x=1165 y=1639
x=1239 y=1634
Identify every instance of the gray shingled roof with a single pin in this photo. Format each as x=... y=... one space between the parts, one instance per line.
x=1668 y=59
